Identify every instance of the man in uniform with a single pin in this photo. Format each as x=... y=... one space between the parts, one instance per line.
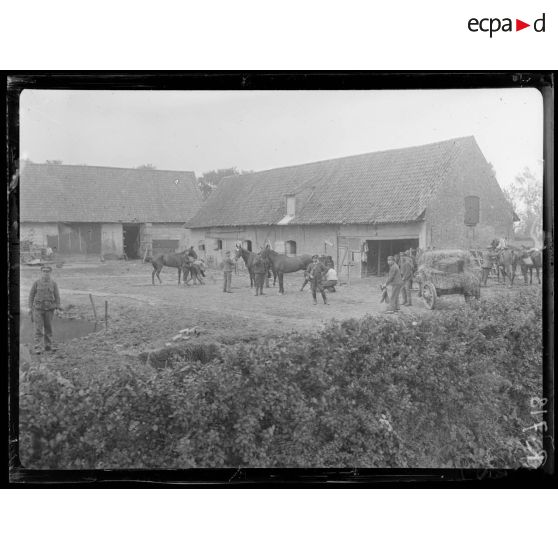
x=407 y=278
x=228 y=266
x=315 y=271
x=44 y=299
x=394 y=279
x=488 y=260
x=260 y=272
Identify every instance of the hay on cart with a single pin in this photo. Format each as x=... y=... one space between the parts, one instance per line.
x=449 y=269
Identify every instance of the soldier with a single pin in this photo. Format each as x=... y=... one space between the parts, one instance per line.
x=228 y=266
x=260 y=271
x=394 y=279
x=44 y=299
x=407 y=278
x=488 y=261
x=315 y=271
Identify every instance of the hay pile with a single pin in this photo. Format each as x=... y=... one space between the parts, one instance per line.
x=449 y=269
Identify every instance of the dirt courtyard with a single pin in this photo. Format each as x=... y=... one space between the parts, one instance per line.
x=145 y=317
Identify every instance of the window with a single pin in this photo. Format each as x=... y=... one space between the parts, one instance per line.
x=472 y=210
x=290 y=205
x=290 y=248
x=219 y=244
x=247 y=245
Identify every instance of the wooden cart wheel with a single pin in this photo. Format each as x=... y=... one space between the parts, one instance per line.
x=429 y=295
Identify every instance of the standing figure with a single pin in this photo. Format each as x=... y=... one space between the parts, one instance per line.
x=260 y=271
x=394 y=279
x=407 y=279
x=44 y=299
x=488 y=260
x=315 y=271
x=228 y=266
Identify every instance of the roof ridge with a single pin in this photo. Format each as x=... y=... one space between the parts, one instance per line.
x=348 y=157
x=105 y=167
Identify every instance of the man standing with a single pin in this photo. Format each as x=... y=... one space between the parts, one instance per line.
x=260 y=271
x=228 y=266
x=44 y=299
x=488 y=260
x=330 y=280
x=407 y=279
x=315 y=271
x=394 y=279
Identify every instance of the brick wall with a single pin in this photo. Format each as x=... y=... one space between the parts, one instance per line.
x=469 y=176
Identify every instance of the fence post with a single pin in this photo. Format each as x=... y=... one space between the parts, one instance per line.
x=93 y=306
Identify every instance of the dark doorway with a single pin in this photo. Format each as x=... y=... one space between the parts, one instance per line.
x=131 y=241
x=379 y=250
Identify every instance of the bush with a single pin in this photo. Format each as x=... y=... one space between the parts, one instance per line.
x=450 y=390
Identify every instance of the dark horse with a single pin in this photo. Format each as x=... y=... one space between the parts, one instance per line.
x=249 y=259
x=529 y=260
x=281 y=264
x=176 y=259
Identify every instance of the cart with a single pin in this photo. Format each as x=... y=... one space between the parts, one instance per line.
x=447 y=272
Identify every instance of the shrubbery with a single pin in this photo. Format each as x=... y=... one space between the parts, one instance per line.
x=452 y=390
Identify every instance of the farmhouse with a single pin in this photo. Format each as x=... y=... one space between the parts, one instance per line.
x=104 y=210
x=361 y=208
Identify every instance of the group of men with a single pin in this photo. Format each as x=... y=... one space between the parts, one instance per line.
x=321 y=277
x=259 y=268
x=400 y=278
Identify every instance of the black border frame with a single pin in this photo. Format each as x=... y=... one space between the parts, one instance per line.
x=274 y=80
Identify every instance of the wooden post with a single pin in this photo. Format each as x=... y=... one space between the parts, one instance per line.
x=106 y=315
x=93 y=306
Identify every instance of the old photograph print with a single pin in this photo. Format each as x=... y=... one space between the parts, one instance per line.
x=281 y=279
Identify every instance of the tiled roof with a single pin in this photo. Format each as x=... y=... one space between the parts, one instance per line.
x=71 y=193
x=381 y=187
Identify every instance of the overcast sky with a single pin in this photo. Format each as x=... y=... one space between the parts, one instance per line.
x=258 y=130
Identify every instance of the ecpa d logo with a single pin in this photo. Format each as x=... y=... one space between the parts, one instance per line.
x=492 y=25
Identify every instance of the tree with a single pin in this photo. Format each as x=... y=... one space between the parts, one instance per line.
x=209 y=180
x=526 y=193
x=147 y=166
x=54 y=162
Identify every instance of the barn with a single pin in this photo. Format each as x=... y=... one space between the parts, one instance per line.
x=80 y=209
x=361 y=208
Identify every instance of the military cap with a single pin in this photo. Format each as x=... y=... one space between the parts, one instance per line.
x=46 y=268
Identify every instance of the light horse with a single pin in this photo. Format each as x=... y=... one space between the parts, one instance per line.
x=529 y=260
x=281 y=264
x=177 y=260
x=506 y=260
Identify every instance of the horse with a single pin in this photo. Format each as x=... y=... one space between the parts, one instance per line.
x=176 y=259
x=281 y=264
x=507 y=263
x=529 y=259
x=249 y=259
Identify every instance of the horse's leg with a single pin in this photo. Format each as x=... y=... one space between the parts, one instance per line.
x=538 y=276
x=179 y=274
x=153 y=276
x=281 y=289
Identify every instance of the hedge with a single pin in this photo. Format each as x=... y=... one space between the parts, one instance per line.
x=452 y=389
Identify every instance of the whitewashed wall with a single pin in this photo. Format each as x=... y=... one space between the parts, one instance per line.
x=112 y=238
